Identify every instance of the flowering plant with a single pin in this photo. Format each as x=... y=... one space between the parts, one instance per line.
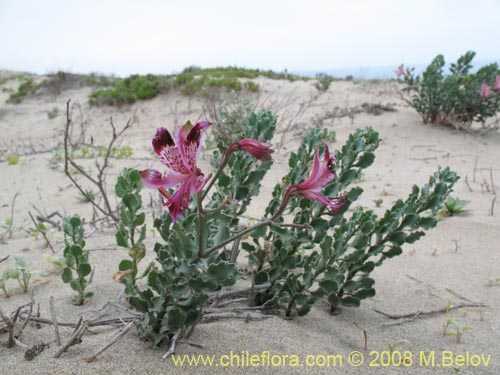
x=459 y=98
x=302 y=250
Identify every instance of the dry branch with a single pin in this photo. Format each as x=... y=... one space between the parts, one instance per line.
x=54 y=321
x=100 y=180
x=114 y=340
x=43 y=232
x=410 y=317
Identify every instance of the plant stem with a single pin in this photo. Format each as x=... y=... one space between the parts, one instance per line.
x=201 y=224
x=222 y=165
x=278 y=213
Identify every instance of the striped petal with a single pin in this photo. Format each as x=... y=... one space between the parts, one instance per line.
x=182 y=197
x=188 y=139
x=167 y=151
x=154 y=179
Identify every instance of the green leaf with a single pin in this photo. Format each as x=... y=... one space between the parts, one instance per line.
x=261 y=278
x=427 y=222
x=10 y=273
x=76 y=251
x=364 y=293
x=125 y=265
x=366 y=160
x=349 y=301
x=122 y=238
x=175 y=317
x=84 y=269
x=348 y=177
x=66 y=275
x=138 y=304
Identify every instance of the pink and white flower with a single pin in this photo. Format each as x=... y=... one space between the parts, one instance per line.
x=179 y=155
x=496 y=85
x=485 y=90
x=322 y=173
x=400 y=70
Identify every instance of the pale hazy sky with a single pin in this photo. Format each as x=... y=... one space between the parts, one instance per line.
x=128 y=36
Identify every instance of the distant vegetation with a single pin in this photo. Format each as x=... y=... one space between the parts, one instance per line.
x=458 y=98
x=193 y=80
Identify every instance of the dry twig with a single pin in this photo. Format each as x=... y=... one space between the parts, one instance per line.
x=410 y=317
x=113 y=341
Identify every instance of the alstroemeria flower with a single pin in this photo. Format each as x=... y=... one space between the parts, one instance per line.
x=322 y=173
x=497 y=83
x=485 y=90
x=179 y=156
x=400 y=70
x=255 y=148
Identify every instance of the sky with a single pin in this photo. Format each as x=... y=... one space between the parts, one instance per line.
x=124 y=37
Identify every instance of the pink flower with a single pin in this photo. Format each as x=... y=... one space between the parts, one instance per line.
x=255 y=148
x=400 y=70
x=322 y=173
x=485 y=90
x=497 y=83
x=179 y=156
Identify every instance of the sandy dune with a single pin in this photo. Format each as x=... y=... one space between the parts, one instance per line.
x=453 y=262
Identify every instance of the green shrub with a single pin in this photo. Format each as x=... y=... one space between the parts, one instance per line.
x=458 y=98
x=27 y=87
x=323 y=82
x=298 y=253
x=52 y=114
x=13 y=159
x=128 y=90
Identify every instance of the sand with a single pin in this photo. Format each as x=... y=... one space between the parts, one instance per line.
x=453 y=262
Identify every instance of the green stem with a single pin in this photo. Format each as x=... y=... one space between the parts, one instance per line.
x=222 y=165
x=201 y=224
x=278 y=213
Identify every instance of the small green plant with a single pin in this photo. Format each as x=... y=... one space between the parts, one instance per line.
x=132 y=230
x=493 y=282
x=57 y=261
x=117 y=153
x=396 y=344
x=365 y=333
x=9 y=273
x=323 y=82
x=458 y=98
x=457 y=330
x=454 y=206
x=37 y=230
x=13 y=159
x=8 y=228
x=482 y=315
x=378 y=202
x=21 y=273
x=53 y=113
x=87 y=197
x=78 y=272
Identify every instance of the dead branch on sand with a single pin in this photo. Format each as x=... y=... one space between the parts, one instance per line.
x=410 y=317
x=100 y=180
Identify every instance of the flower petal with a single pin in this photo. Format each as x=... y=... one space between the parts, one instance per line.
x=167 y=151
x=334 y=205
x=182 y=197
x=322 y=172
x=188 y=139
x=255 y=148
x=153 y=179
